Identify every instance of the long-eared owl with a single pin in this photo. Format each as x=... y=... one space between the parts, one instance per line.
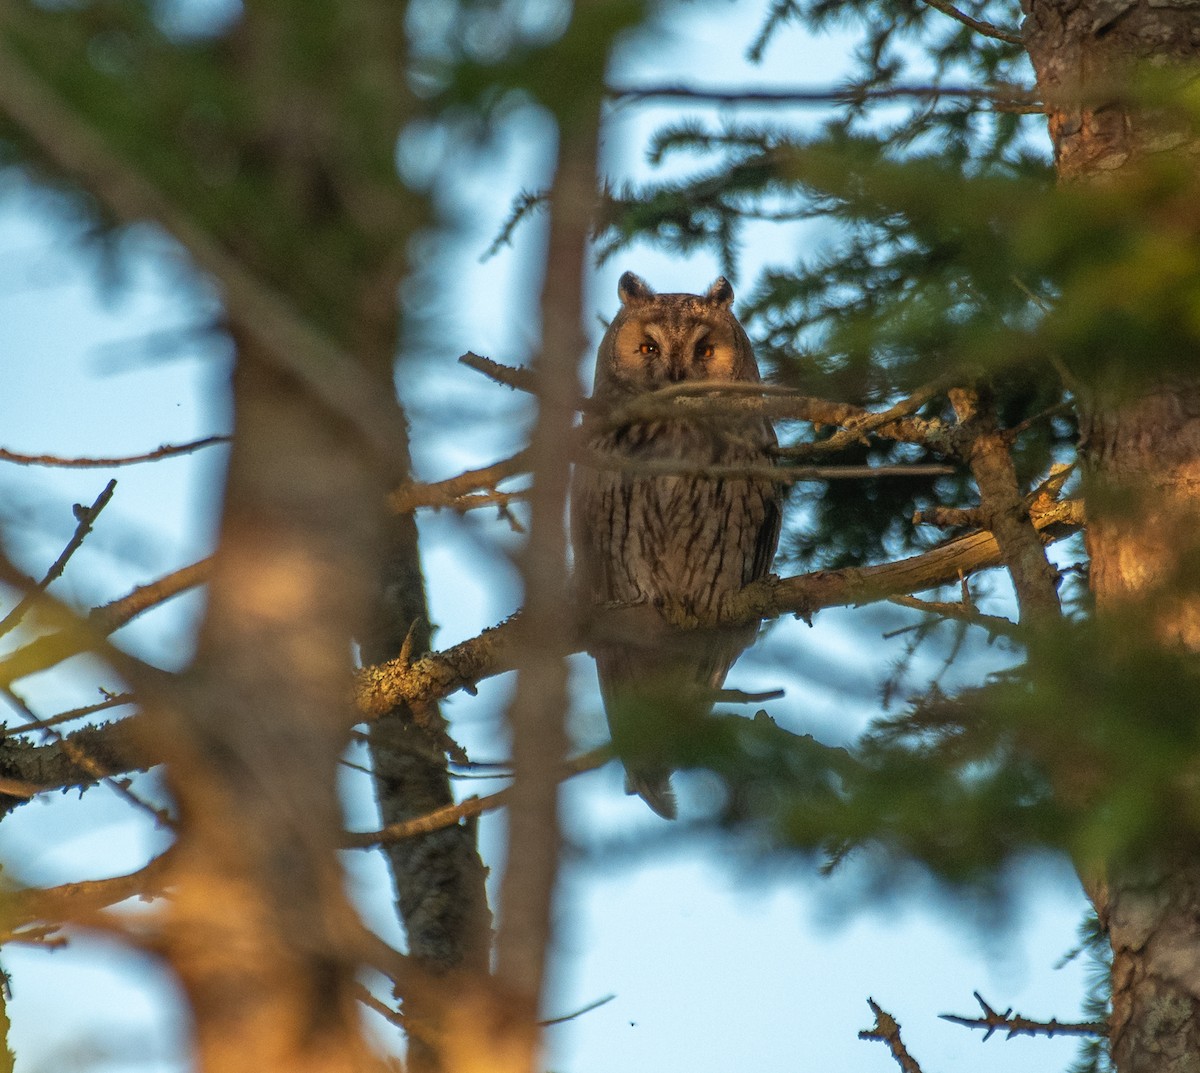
x=677 y=546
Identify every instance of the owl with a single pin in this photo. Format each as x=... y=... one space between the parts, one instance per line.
x=675 y=546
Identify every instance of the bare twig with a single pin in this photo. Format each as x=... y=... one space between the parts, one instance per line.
x=1003 y=508
x=579 y=1012
x=500 y=500
x=988 y=29
x=114 y=701
x=166 y=450
x=449 y=492
x=463 y=810
x=86 y=517
x=1005 y=97
x=1016 y=1025
x=887 y=1030
x=519 y=379
x=854 y=429
x=962 y=612
x=715 y=398
x=372 y=1003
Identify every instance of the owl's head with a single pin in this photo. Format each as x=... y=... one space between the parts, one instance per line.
x=659 y=339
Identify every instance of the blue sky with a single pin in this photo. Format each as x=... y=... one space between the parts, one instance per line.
x=716 y=962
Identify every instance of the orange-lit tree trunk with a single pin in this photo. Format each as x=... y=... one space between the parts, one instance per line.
x=259 y=931
x=1142 y=449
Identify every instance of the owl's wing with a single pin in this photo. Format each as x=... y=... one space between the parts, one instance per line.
x=766 y=540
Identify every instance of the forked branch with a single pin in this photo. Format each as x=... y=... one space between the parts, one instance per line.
x=887 y=1030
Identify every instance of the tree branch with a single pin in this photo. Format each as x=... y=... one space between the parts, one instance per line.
x=86 y=516
x=383 y=685
x=53 y=648
x=519 y=378
x=1016 y=1025
x=1004 y=510
x=718 y=398
x=449 y=492
x=73 y=901
x=1006 y=97
x=450 y=815
x=166 y=450
x=887 y=1030
x=960 y=611
x=988 y=29
x=291 y=343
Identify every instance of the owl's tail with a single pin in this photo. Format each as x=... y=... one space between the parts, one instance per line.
x=652 y=785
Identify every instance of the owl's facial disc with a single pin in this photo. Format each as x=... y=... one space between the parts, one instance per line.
x=653 y=353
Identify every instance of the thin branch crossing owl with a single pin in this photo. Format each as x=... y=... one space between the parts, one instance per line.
x=676 y=546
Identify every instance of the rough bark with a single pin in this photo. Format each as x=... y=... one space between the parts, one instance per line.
x=1085 y=54
x=439 y=877
x=1142 y=452
x=1144 y=458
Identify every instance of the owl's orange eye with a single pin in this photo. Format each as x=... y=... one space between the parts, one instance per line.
x=648 y=348
x=706 y=350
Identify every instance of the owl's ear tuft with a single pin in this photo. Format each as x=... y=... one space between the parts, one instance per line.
x=720 y=293
x=632 y=289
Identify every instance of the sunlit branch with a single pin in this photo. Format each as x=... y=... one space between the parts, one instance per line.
x=713 y=398
x=380 y=687
x=1016 y=1025
x=1002 y=505
x=52 y=648
x=519 y=379
x=854 y=429
x=81 y=901
x=167 y=450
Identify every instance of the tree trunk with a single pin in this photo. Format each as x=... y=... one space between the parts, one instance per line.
x=260 y=932
x=1141 y=446
x=439 y=877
